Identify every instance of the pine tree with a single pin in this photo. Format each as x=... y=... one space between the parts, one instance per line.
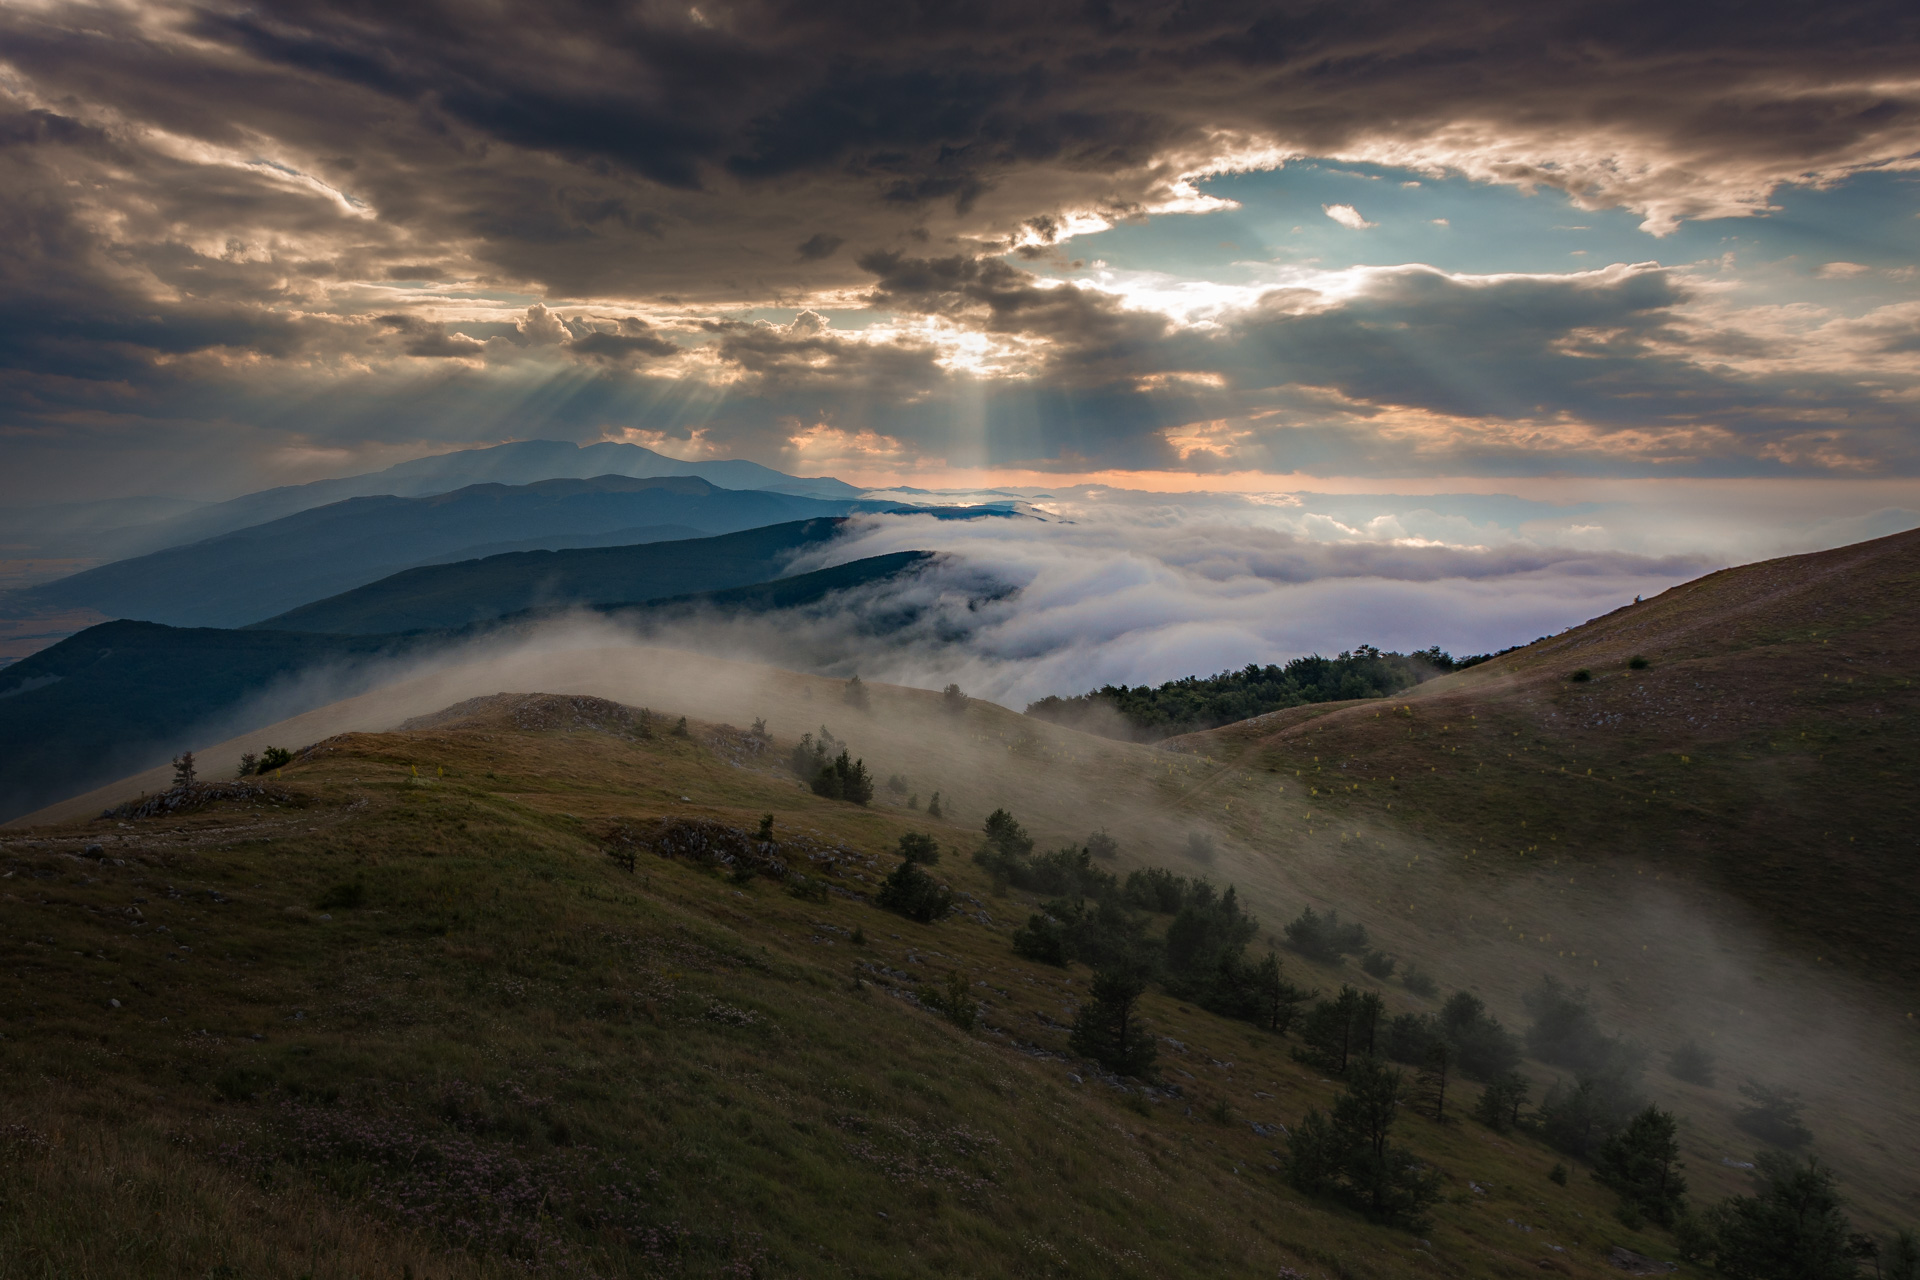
x=1500 y=1102
x=183 y=769
x=855 y=693
x=933 y=807
x=953 y=699
x=1641 y=1164
x=1792 y=1227
x=1108 y=1028
x=1430 y=1088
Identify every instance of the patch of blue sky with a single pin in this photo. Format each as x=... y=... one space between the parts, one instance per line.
x=1459 y=225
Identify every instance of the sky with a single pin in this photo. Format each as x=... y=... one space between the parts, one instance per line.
x=1652 y=260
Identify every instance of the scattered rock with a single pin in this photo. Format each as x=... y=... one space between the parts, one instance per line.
x=1639 y=1264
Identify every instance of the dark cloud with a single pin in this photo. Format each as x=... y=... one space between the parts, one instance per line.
x=221 y=212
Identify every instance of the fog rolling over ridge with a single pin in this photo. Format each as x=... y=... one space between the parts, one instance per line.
x=1666 y=954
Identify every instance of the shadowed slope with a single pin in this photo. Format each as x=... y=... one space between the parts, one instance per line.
x=1767 y=743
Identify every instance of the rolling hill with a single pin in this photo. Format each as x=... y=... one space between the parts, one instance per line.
x=1754 y=727
x=243 y=576
x=399 y=1011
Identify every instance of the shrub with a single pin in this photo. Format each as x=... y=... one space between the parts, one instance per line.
x=272 y=758
x=956 y=1003
x=953 y=700
x=1581 y=676
x=680 y=729
x=933 y=807
x=1558 y=1174
x=1419 y=982
x=1324 y=937
x=1102 y=845
x=1692 y=1063
x=249 y=762
x=1773 y=1115
x=1378 y=964
x=911 y=892
x=1042 y=939
x=896 y=784
x=1638 y=663
x=918 y=847
x=1200 y=848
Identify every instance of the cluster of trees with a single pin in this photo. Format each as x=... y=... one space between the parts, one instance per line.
x=1095 y=918
x=269 y=759
x=836 y=777
x=1350 y=1153
x=1204 y=702
x=1325 y=938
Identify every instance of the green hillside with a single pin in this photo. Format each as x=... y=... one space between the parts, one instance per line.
x=400 y=1014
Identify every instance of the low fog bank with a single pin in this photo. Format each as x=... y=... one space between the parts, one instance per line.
x=1132 y=597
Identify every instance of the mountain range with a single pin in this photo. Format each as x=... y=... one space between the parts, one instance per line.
x=119 y=528
x=240 y=577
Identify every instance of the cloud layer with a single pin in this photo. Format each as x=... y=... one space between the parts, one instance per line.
x=270 y=235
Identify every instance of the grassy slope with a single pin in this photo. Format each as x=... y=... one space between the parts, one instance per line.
x=1762 y=750
x=507 y=987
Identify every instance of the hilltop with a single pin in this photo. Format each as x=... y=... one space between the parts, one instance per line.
x=1752 y=728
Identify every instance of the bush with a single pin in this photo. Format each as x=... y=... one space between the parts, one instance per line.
x=1102 y=845
x=1773 y=1115
x=1378 y=964
x=1043 y=939
x=1200 y=848
x=896 y=784
x=1581 y=676
x=1638 y=663
x=953 y=700
x=272 y=758
x=1418 y=982
x=1558 y=1174
x=913 y=893
x=918 y=847
x=1324 y=938
x=1692 y=1063
x=1108 y=1028
x=956 y=1003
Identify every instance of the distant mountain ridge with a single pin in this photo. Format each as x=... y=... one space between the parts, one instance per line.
x=138 y=526
x=124 y=696
x=473 y=591
x=243 y=576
